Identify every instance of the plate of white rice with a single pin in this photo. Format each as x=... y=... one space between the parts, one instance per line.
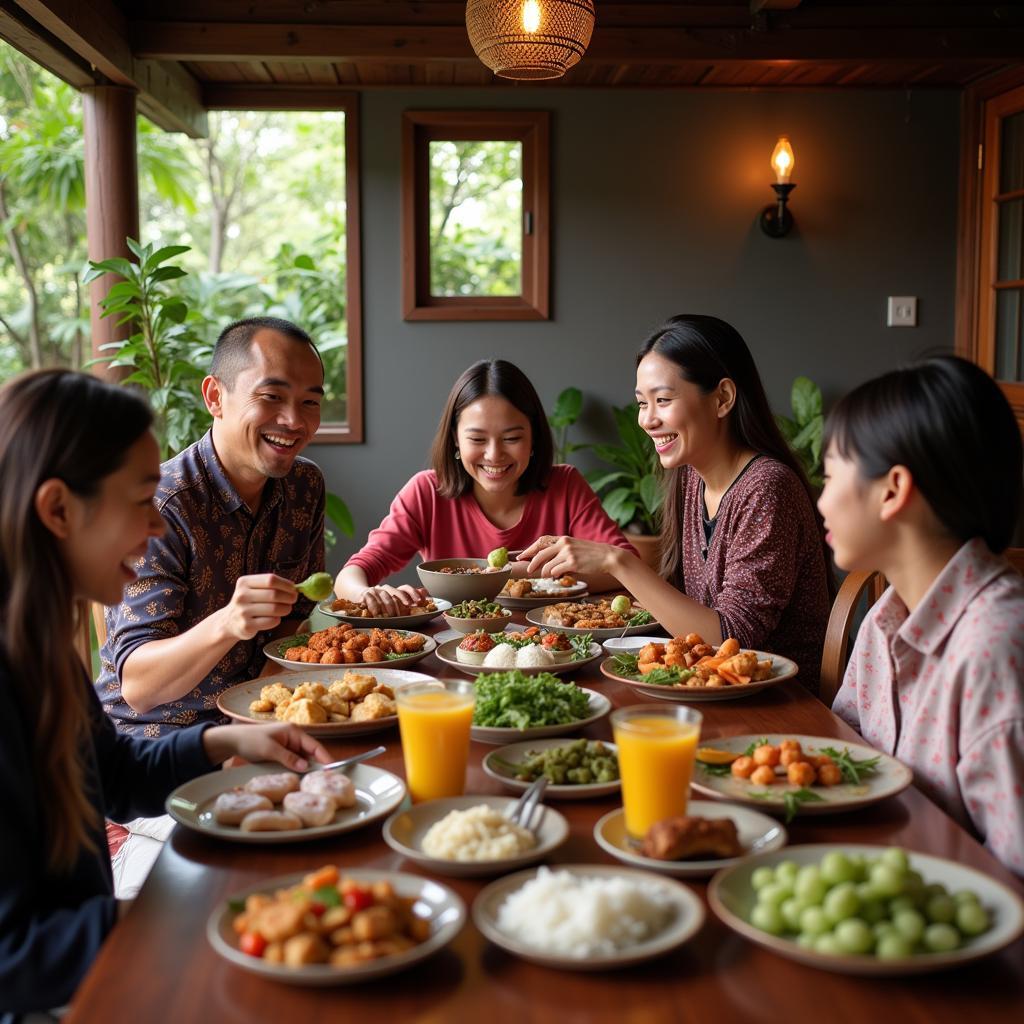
x=529 y=659
x=467 y=836
x=587 y=917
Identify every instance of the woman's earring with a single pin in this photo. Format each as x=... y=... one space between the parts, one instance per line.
x=458 y=454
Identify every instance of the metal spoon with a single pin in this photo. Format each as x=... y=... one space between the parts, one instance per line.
x=345 y=762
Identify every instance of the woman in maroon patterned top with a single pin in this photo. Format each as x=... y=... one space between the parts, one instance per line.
x=743 y=552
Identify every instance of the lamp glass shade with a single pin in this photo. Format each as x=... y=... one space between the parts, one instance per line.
x=530 y=39
x=782 y=160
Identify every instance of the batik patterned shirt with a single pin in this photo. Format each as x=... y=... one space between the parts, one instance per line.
x=942 y=689
x=212 y=538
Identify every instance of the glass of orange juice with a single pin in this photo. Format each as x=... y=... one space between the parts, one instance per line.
x=657 y=745
x=434 y=719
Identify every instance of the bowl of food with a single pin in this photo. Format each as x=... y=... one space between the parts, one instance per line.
x=462 y=579
x=477 y=616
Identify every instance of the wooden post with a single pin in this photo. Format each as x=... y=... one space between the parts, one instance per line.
x=111 y=194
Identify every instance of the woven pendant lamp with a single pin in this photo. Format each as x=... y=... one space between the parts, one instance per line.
x=530 y=39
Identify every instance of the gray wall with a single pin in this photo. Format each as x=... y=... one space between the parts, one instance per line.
x=655 y=201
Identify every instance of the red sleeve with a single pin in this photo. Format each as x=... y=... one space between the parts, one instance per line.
x=761 y=564
x=587 y=519
x=401 y=535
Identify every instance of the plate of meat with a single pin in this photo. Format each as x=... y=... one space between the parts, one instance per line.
x=346 y=645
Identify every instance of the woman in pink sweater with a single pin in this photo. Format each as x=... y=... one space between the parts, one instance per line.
x=924 y=485
x=492 y=484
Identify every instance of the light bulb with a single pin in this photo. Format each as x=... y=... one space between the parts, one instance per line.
x=782 y=160
x=531 y=16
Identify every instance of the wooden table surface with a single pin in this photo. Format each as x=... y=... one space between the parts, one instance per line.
x=157 y=964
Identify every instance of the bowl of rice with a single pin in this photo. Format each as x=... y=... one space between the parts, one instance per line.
x=468 y=836
x=587 y=917
x=532 y=659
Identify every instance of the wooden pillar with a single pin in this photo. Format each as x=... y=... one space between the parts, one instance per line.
x=111 y=193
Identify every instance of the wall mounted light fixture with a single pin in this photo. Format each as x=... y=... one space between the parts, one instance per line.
x=776 y=220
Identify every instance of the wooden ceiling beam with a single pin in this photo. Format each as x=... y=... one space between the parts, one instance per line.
x=757 y=6
x=28 y=36
x=96 y=31
x=206 y=41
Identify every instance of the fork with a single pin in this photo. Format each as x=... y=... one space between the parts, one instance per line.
x=522 y=812
x=315 y=766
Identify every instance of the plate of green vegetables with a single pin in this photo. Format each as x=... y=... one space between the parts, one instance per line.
x=575 y=769
x=515 y=706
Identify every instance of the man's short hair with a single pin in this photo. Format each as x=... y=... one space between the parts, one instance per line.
x=231 y=353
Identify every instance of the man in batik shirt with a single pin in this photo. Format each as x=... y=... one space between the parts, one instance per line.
x=245 y=522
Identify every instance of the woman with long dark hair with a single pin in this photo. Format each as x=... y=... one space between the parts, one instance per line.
x=492 y=484
x=742 y=548
x=78 y=471
x=923 y=483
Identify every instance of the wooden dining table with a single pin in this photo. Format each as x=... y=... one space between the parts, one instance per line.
x=157 y=964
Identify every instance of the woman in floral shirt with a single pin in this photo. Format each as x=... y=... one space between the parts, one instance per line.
x=923 y=483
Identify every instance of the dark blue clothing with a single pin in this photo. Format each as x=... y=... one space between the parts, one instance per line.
x=52 y=926
x=212 y=538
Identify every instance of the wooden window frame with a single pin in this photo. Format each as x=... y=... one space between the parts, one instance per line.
x=254 y=97
x=977 y=237
x=532 y=129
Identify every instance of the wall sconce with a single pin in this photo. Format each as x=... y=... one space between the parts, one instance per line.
x=777 y=220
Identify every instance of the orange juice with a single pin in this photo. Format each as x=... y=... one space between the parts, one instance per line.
x=434 y=724
x=657 y=748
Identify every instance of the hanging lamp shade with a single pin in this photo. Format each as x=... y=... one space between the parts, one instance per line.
x=530 y=39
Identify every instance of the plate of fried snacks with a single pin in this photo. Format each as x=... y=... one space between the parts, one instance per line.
x=512 y=706
x=602 y=618
x=575 y=769
x=867 y=910
x=334 y=926
x=342 y=702
x=469 y=836
x=346 y=645
x=587 y=917
x=686 y=669
x=709 y=837
x=264 y=803
x=530 y=650
x=790 y=775
x=528 y=593
x=356 y=613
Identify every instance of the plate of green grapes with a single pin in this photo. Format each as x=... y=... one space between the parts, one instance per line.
x=868 y=910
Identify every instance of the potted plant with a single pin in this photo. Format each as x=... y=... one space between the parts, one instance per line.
x=804 y=431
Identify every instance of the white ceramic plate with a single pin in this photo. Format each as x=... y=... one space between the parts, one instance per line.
x=378 y=793
x=446 y=653
x=386 y=622
x=272 y=651
x=552 y=596
x=757 y=833
x=434 y=901
x=536 y=616
x=686 y=920
x=234 y=702
x=782 y=669
x=890 y=778
x=732 y=899
x=600 y=705
x=517 y=752
x=405 y=829
x=629 y=644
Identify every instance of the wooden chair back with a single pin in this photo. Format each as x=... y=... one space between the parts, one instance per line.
x=837 y=633
x=88 y=617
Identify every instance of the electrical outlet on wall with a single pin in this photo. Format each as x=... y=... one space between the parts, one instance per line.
x=901 y=311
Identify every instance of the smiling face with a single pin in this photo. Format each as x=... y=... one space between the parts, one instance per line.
x=494 y=441
x=851 y=507
x=103 y=537
x=683 y=422
x=269 y=413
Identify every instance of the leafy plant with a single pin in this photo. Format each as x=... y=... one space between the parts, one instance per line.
x=804 y=431
x=631 y=494
x=568 y=406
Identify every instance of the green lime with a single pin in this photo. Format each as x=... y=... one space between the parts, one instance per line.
x=316 y=587
x=498 y=558
x=621 y=604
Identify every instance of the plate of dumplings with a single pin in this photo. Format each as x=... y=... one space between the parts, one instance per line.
x=265 y=803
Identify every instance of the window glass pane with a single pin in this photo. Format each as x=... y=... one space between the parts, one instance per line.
x=1011 y=240
x=476 y=217
x=1008 y=334
x=1011 y=149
